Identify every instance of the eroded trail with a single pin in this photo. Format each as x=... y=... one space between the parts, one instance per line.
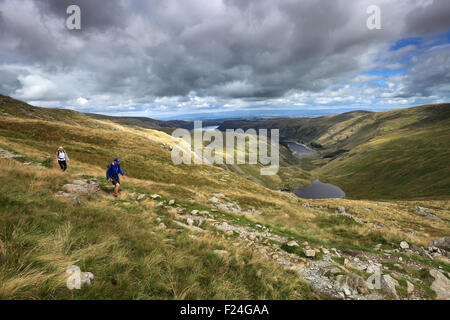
x=330 y=271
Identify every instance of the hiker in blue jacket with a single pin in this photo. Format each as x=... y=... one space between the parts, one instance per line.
x=112 y=174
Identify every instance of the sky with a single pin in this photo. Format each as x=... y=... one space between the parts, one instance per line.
x=170 y=59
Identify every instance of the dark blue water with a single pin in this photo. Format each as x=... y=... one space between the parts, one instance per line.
x=320 y=190
x=317 y=189
x=299 y=149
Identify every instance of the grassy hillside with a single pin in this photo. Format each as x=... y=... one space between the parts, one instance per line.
x=409 y=163
x=137 y=249
x=143 y=122
x=400 y=154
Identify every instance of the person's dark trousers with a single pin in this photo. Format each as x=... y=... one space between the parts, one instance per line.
x=63 y=165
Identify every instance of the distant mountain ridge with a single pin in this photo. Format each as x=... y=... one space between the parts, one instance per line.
x=12 y=107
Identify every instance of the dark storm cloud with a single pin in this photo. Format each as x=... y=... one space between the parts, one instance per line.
x=433 y=18
x=100 y=15
x=194 y=53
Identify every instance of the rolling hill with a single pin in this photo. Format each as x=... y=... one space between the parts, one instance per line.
x=190 y=231
x=400 y=154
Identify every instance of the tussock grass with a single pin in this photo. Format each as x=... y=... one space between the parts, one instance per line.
x=120 y=242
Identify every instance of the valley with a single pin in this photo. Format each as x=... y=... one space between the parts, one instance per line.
x=222 y=231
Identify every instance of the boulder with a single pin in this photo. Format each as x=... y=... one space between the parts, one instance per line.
x=76 y=279
x=356 y=284
x=340 y=210
x=213 y=200
x=409 y=287
x=68 y=197
x=82 y=187
x=309 y=253
x=292 y=243
x=443 y=243
x=425 y=212
x=388 y=285
x=440 y=284
x=404 y=245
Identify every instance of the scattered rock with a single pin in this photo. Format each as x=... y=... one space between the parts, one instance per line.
x=292 y=243
x=371 y=269
x=309 y=253
x=155 y=196
x=162 y=226
x=194 y=212
x=192 y=228
x=83 y=187
x=171 y=202
x=404 y=245
x=425 y=212
x=440 y=284
x=5 y=154
x=443 y=243
x=340 y=210
x=213 y=200
x=221 y=252
x=353 y=283
x=141 y=197
x=68 y=197
x=77 y=278
x=388 y=285
x=409 y=287
x=231 y=207
x=376 y=225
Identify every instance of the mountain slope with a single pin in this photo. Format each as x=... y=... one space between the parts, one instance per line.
x=209 y=233
x=143 y=122
x=400 y=154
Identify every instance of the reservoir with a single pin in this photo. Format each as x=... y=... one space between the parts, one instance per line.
x=320 y=190
x=317 y=189
x=299 y=149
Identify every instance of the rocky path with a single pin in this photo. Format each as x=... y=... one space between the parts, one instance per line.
x=331 y=272
x=5 y=154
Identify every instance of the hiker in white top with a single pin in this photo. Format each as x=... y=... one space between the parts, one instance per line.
x=62 y=158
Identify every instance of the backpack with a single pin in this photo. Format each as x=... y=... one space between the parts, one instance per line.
x=111 y=172
x=57 y=153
